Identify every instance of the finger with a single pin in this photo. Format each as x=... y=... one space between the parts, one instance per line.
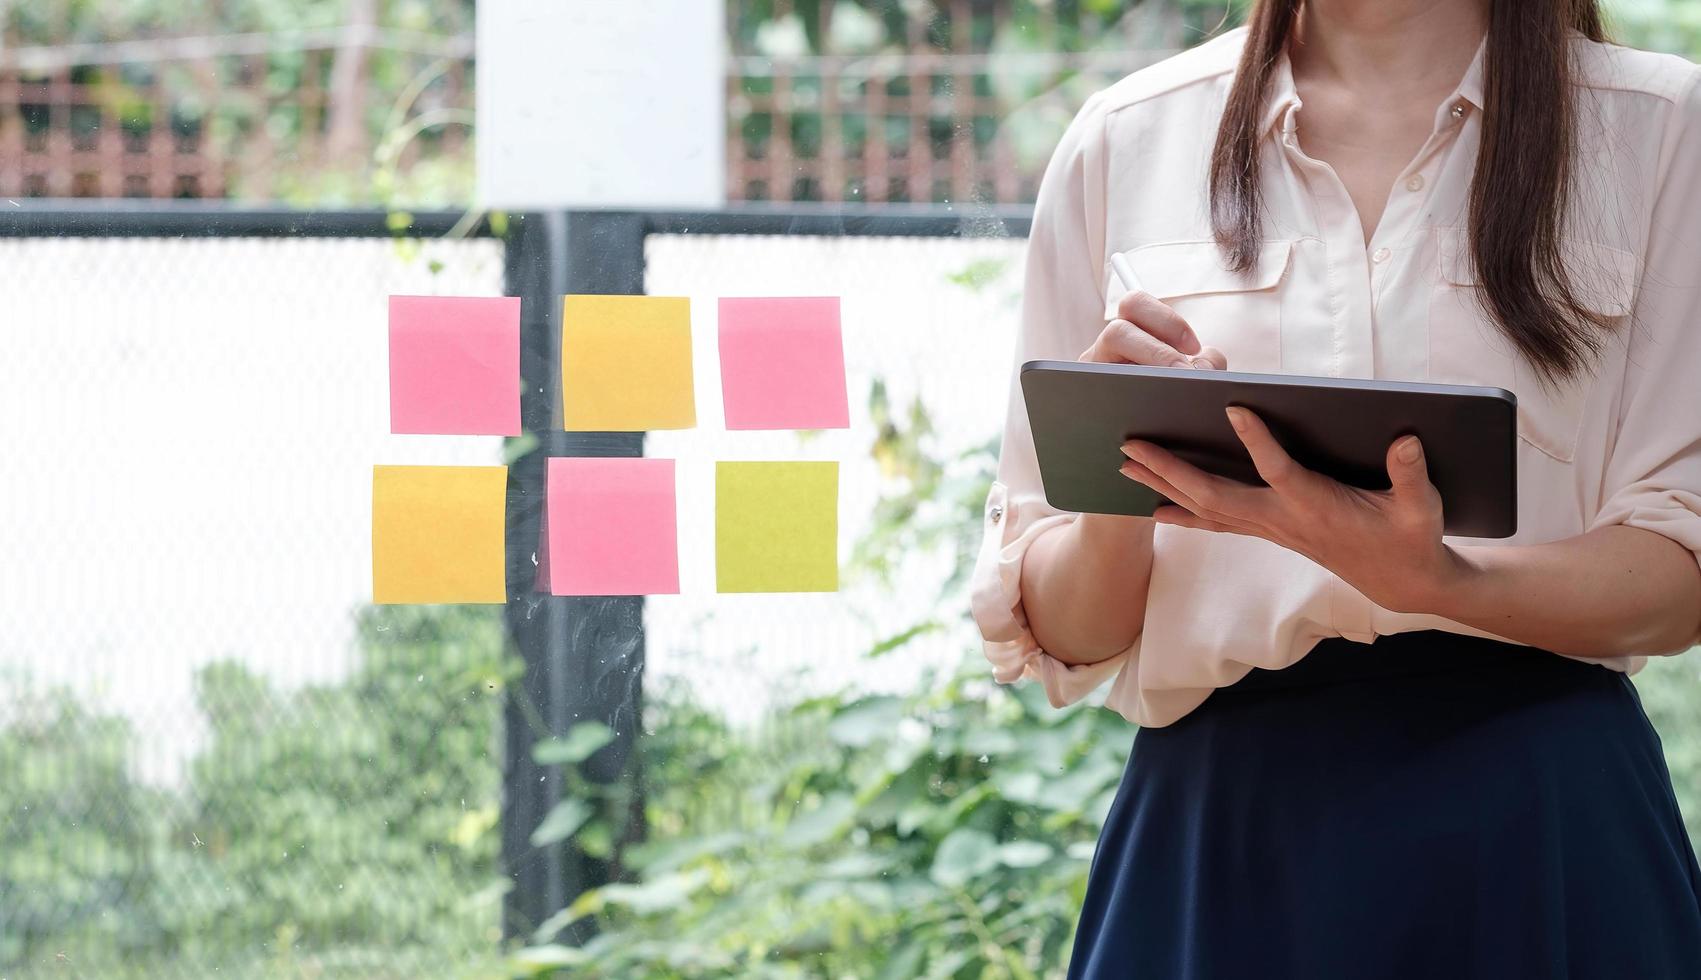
x=1273 y=463
x=1181 y=518
x=1216 y=498
x=1122 y=342
x=1407 y=470
x=1211 y=358
x=1408 y=474
x=1159 y=319
x=1140 y=474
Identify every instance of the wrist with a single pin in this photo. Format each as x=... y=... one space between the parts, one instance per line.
x=1453 y=586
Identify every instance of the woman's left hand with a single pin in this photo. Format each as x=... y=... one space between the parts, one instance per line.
x=1385 y=543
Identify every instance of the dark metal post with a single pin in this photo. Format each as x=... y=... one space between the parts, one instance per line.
x=583 y=657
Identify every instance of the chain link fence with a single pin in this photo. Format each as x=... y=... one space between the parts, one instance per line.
x=217 y=758
x=214 y=759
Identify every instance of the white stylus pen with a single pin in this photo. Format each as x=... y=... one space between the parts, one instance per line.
x=1125 y=272
x=1131 y=282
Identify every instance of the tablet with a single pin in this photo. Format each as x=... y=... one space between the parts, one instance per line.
x=1082 y=413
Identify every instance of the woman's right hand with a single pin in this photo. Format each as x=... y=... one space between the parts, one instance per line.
x=1148 y=331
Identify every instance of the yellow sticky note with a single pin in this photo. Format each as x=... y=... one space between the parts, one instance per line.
x=626 y=363
x=777 y=527
x=437 y=533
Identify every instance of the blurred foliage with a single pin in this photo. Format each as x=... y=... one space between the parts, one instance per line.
x=407 y=103
x=76 y=834
x=1034 y=94
x=337 y=830
x=227 y=101
x=1656 y=25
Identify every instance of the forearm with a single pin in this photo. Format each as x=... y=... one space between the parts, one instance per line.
x=1611 y=592
x=1084 y=586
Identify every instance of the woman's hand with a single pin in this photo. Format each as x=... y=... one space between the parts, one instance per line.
x=1147 y=331
x=1385 y=543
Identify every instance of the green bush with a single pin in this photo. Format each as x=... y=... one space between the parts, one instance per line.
x=356 y=814
x=344 y=829
x=943 y=834
x=75 y=835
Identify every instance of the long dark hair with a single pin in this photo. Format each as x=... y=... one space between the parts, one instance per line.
x=1518 y=196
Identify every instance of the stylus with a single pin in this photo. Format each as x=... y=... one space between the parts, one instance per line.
x=1125 y=272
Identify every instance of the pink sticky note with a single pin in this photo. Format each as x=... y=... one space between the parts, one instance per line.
x=783 y=363
x=455 y=365
x=612 y=527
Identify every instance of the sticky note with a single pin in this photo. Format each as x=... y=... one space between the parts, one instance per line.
x=776 y=527
x=626 y=363
x=437 y=533
x=455 y=365
x=782 y=363
x=612 y=528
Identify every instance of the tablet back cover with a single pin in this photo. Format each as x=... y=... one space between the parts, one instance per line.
x=1082 y=413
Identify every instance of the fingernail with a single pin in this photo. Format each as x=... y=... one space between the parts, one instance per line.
x=1131 y=451
x=1410 y=451
x=1237 y=418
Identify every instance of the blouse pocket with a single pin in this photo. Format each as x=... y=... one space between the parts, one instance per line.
x=1466 y=346
x=1240 y=315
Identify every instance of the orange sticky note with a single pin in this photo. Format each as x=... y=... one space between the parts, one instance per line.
x=437 y=533
x=626 y=363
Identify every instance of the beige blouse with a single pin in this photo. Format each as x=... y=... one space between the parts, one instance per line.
x=1622 y=445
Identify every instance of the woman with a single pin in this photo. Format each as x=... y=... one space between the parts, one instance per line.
x=1368 y=750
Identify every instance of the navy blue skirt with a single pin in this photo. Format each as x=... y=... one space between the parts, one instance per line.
x=1429 y=806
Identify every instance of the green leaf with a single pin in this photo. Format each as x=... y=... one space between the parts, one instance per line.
x=1022 y=786
x=1023 y=853
x=1078 y=789
x=979 y=273
x=989 y=742
x=1081 y=850
x=899 y=640
x=581 y=743
x=566 y=818
x=559 y=921
x=906 y=963
x=658 y=856
x=865 y=721
x=820 y=823
x=664 y=893
x=540 y=959
x=963 y=854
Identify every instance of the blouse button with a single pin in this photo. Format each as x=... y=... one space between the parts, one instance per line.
x=1414 y=182
x=1380 y=255
x=995 y=514
x=1458 y=110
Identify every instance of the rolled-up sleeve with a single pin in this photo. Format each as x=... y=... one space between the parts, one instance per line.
x=1062 y=312
x=1652 y=477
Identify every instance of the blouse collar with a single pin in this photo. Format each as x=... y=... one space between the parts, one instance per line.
x=1284 y=97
